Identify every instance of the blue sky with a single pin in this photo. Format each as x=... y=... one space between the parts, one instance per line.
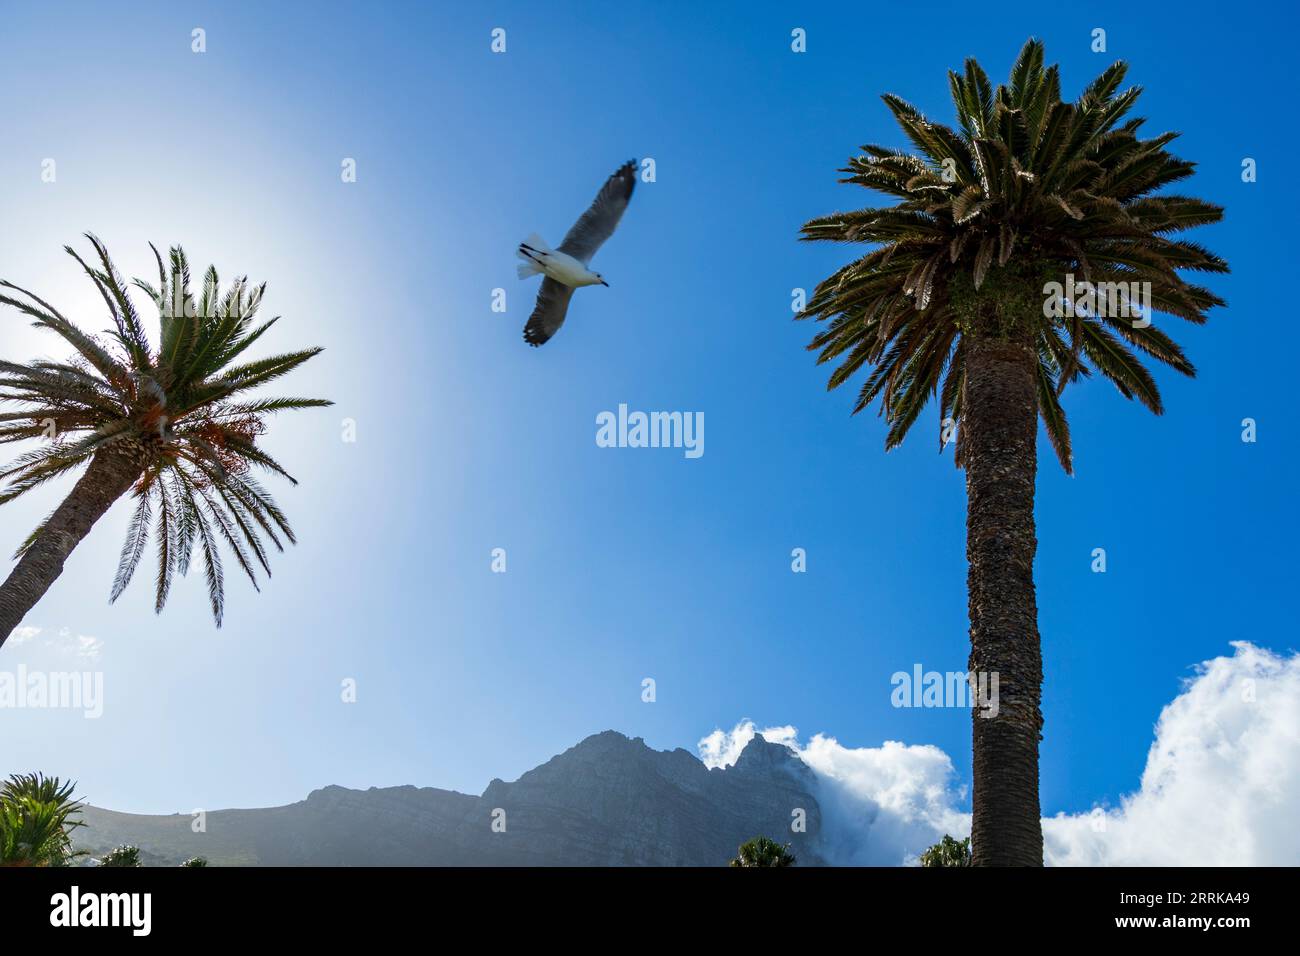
x=622 y=564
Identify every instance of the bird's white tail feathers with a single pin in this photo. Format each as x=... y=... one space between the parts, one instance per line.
x=530 y=250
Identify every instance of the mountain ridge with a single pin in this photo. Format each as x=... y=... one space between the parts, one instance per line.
x=609 y=800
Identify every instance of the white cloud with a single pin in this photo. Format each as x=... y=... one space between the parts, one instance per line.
x=1222 y=781
x=88 y=647
x=1221 y=785
x=721 y=748
x=80 y=646
x=23 y=634
x=880 y=805
x=64 y=642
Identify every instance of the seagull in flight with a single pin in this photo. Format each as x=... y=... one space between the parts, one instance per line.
x=566 y=268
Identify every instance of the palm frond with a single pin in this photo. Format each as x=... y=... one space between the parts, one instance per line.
x=183 y=411
x=1042 y=188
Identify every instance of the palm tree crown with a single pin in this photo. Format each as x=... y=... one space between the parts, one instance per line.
x=1031 y=189
x=37 y=817
x=763 y=851
x=947 y=852
x=179 y=411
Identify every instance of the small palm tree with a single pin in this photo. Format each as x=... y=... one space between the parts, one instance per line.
x=37 y=817
x=947 y=852
x=171 y=424
x=124 y=855
x=762 y=851
x=964 y=300
x=38 y=787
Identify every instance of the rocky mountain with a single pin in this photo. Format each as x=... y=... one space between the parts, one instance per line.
x=609 y=801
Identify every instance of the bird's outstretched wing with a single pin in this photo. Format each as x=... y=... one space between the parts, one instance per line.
x=552 y=304
x=598 y=223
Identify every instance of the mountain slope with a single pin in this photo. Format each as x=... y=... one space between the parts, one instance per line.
x=608 y=801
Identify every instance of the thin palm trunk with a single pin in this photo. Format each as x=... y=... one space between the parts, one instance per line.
x=108 y=477
x=999 y=429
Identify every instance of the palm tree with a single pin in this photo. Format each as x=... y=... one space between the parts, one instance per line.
x=37 y=817
x=956 y=301
x=947 y=852
x=38 y=787
x=762 y=851
x=172 y=425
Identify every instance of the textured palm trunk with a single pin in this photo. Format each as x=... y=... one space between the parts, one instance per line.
x=108 y=477
x=999 y=430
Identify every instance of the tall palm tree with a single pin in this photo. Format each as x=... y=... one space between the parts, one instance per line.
x=171 y=424
x=956 y=302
